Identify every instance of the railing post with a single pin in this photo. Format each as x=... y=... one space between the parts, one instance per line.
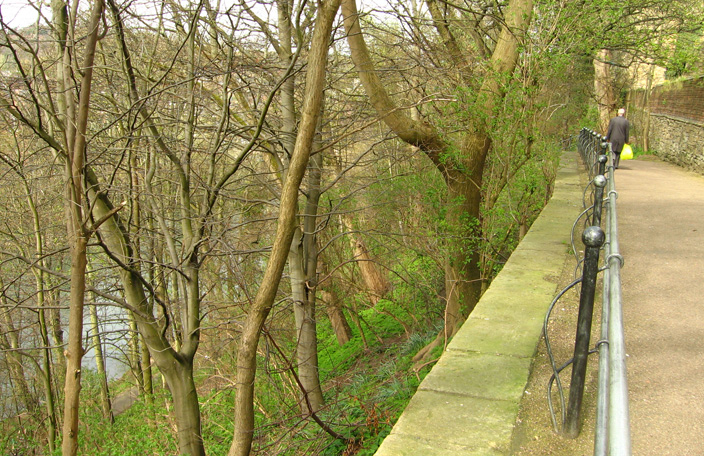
x=599 y=184
x=603 y=159
x=593 y=238
x=603 y=150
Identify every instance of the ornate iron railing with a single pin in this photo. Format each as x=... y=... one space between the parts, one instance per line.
x=612 y=429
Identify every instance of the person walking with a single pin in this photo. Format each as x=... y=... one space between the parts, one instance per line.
x=617 y=134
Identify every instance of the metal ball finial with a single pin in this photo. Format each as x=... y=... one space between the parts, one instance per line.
x=593 y=236
x=600 y=181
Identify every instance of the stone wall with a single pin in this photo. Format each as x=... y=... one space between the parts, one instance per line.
x=468 y=404
x=669 y=122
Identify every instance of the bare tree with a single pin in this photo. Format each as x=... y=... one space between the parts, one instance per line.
x=79 y=227
x=36 y=249
x=246 y=357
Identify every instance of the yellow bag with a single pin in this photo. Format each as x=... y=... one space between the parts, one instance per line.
x=626 y=152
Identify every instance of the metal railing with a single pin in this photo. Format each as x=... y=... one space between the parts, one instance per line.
x=612 y=427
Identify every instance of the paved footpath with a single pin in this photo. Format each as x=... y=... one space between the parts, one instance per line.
x=661 y=236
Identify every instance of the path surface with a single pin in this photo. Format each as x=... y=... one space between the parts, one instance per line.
x=661 y=235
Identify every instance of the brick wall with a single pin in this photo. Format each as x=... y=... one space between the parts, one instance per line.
x=672 y=117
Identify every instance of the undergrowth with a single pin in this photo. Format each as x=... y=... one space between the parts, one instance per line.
x=366 y=389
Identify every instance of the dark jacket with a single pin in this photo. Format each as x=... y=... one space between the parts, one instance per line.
x=618 y=133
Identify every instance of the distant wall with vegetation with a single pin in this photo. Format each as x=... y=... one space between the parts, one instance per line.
x=669 y=121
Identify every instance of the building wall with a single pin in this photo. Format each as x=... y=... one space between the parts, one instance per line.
x=669 y=122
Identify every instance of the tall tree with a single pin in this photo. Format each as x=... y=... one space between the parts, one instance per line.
x=247 y=352
x=79 y=227
x=461 y=157
x=41 y=285
x=303 y=253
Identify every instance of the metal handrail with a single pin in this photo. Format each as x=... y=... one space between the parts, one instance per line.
x=612 y=431
x=617 y=434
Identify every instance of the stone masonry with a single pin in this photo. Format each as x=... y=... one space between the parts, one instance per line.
x=672 y=116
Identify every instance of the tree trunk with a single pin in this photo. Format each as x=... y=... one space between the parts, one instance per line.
x=133 y=352
x=306 y=334
x=157 y=278
x=343 y=331
x=376 y=283
x=246 y=355
x=40 y=280
x=603 y=88
x=186 y=407
x=74 y=348
x=135 y=217
x=176 y=366
x=49 y=398
x=57 y=335
x=304 y=277
x=78 y=234
x=43 y=327
x=47 y=378
x=147 y=378
x=311 y=399
x=59 y=12
x=10 y=342
x=340 y=325
x=100 y=364
x=175 y=362
x=288 y=95
x=47 y=370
